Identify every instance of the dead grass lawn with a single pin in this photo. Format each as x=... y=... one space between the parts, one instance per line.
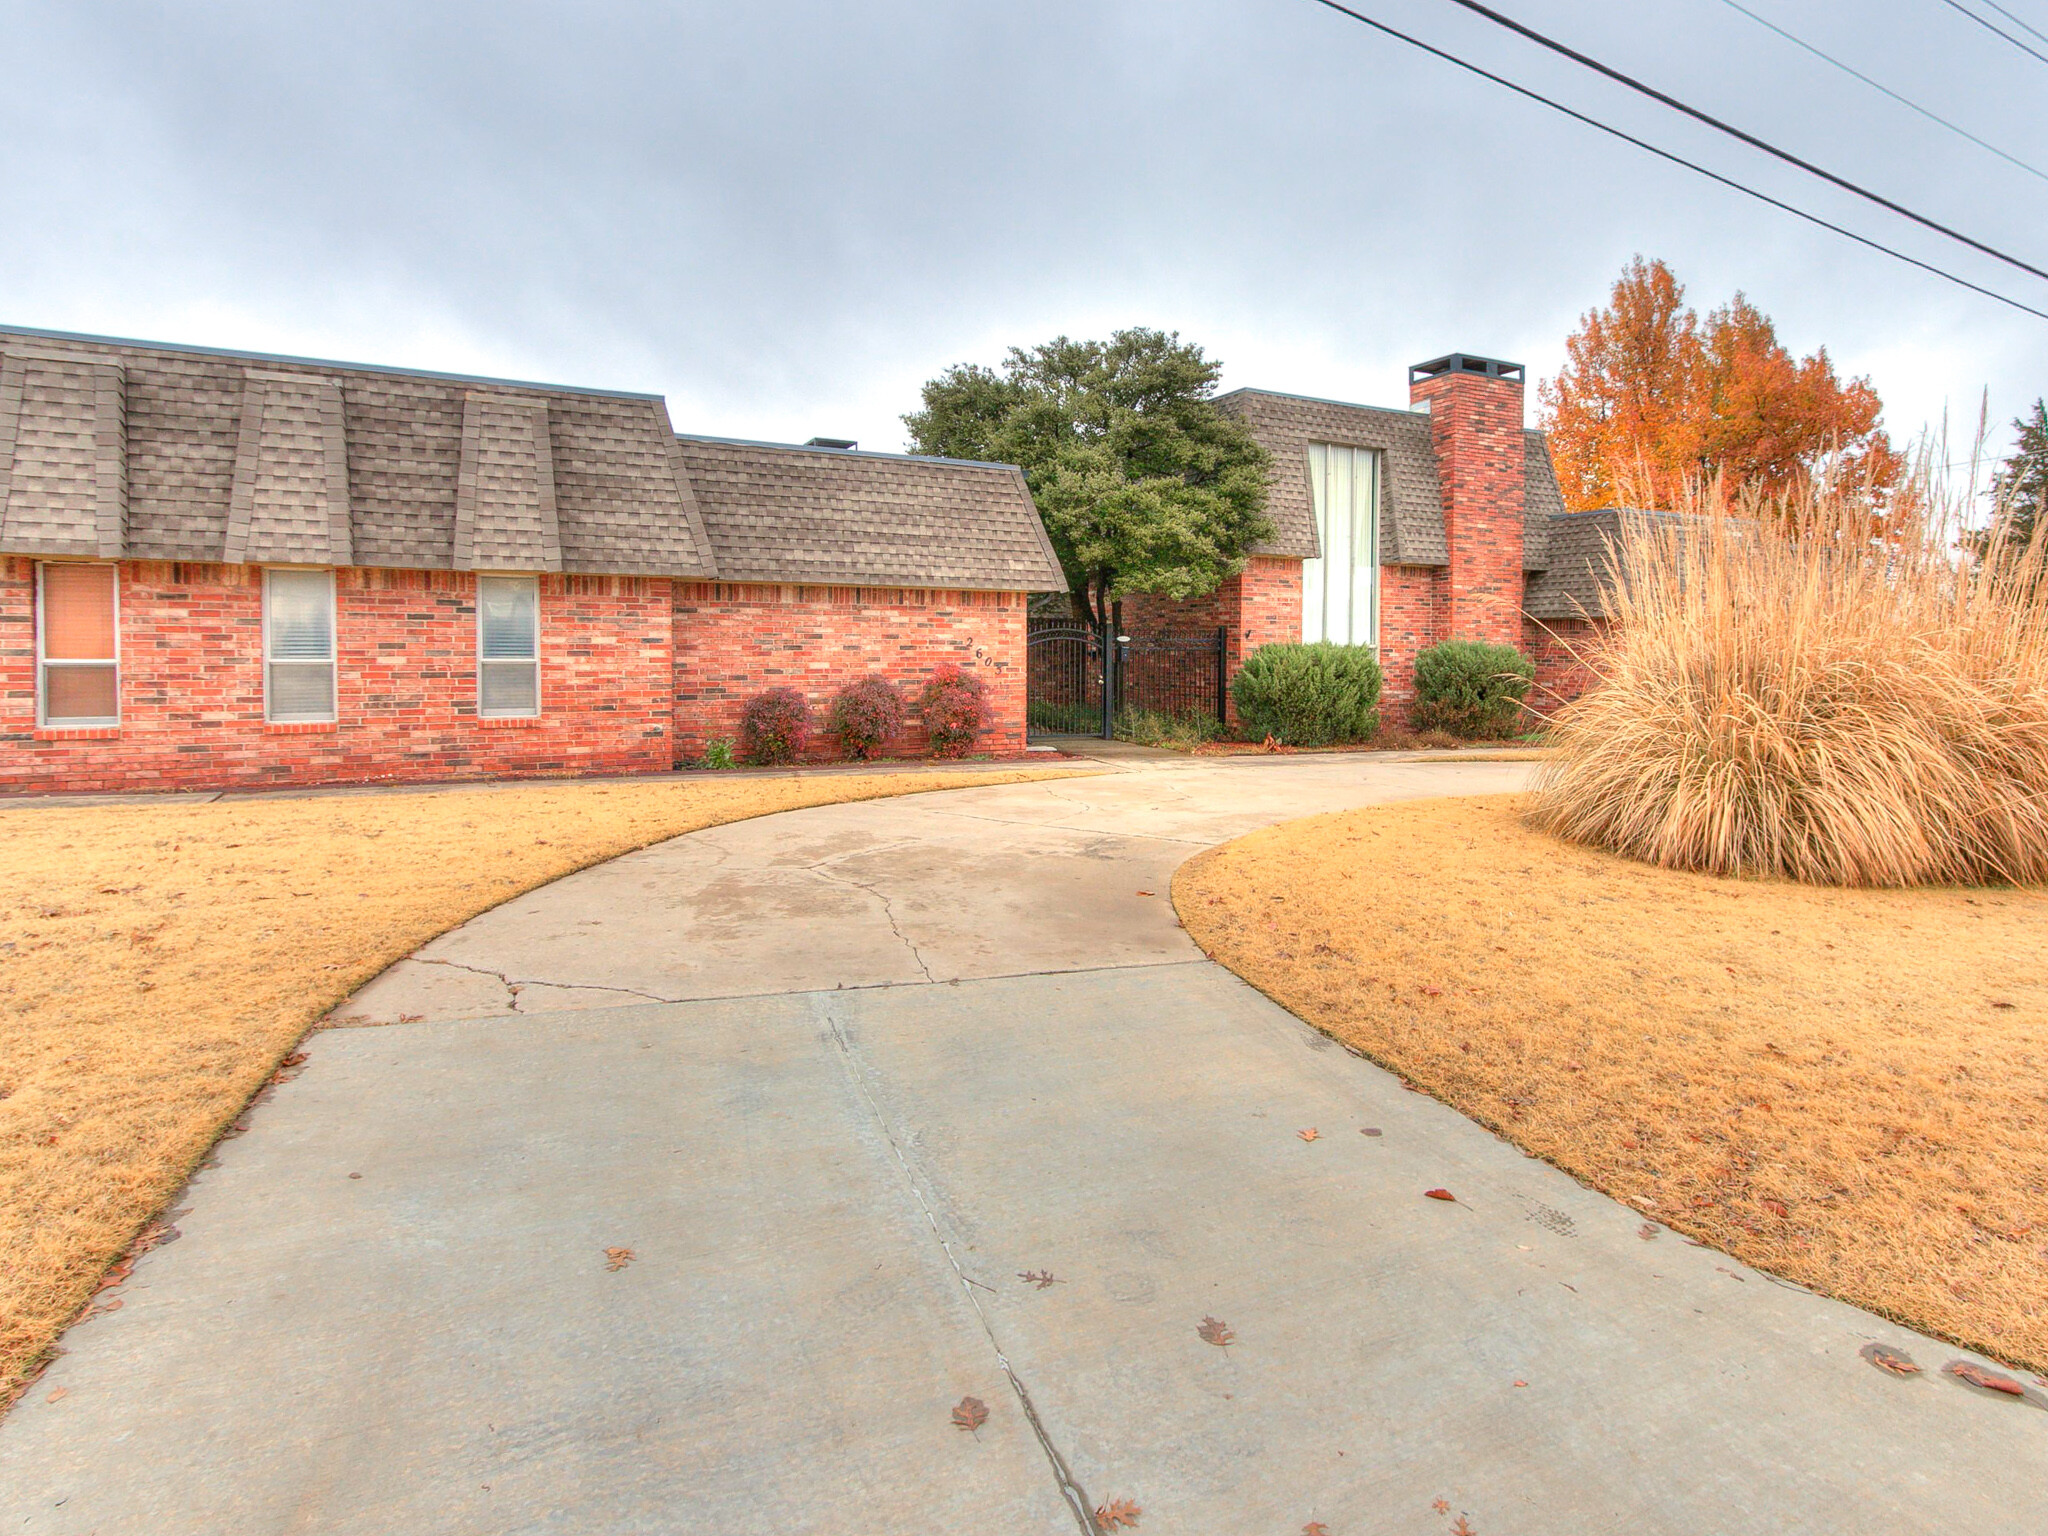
x=157 y=960
x=1848 y=1088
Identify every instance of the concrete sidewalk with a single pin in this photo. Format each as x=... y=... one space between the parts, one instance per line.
x=892 y=1058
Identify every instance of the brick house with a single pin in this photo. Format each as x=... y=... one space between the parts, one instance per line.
x=221 y=569
x=1399 y=528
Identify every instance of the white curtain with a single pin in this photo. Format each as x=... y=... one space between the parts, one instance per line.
x=1340 y=591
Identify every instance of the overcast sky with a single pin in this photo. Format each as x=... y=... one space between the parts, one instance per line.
x=786 y=216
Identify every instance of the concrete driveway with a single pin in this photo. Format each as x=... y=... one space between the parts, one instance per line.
x=704 y=1185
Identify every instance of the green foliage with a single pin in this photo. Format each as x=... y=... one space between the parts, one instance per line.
x=1144 y=485
x=1156 y=728
x=955 y=710
x=1471 y=689
x=2022 y=481
x=1309 y=695
x=718 y=753
x=864 y=716
x=1064 y=719
x=773 y=726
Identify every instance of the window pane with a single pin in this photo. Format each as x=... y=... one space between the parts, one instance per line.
x=508 y=688
x=1337 y=548
x=301 y=690
x=508 y=623
x=1312 y=570
x=301 y=607
x=79 y=693
x=78 y=612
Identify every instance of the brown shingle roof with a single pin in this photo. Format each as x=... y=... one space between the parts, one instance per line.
x=163 y=452
x=840 y=517
x=1576 y=584
x=1412 y=529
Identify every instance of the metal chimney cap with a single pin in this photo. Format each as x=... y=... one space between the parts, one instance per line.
x=843 y=443
x=1464 y=362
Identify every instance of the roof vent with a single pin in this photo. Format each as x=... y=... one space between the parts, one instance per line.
x=832 y=442
x=1458 y=362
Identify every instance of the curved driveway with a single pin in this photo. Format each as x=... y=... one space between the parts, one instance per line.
x=696 y=1191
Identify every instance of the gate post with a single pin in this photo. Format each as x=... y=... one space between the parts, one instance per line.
x=1112 y=656
x=1222 y=678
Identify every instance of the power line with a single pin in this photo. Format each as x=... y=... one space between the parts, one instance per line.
x=1690 y=165
x=1887 y=90
x=1747 y=138
x=1991 y=26
x=2016 y=21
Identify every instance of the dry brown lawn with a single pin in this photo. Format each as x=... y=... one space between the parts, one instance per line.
x=158 y=960
x=1848 y=1088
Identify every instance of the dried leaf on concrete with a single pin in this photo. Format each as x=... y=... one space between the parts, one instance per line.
x=1896 y=1361
x=616 y=1259
x=1117 y=1513
x=1311 y=1134
x=1215 y=1331
x=1438 y=1194
x=1989 y=1380
x=1039 y=1277
x=971 y=1414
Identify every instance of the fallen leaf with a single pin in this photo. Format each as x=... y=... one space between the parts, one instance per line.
x=1039 y=1277
x=1647 y=1231
x=1521 y=1383
x=1775 y=1207
x=1215 y=1331
x=1989 y=1380
x=1117 y=1512
x=1370 y=1130
x=412 y=1018
x=1997 y=1004
x=1461 y=1527
x=1144 y=893
x=971 y=1414
x=616 y=1259
x=1438 y=1194
x=1895 y=1361
x=58 y=1395
x=1315 y=1528
x=1311 y=1134
x=1440 y=1506
x=1432 y=991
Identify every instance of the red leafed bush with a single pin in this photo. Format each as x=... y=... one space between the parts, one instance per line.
x=954 y=706
x=773 y=727
x=864 y=716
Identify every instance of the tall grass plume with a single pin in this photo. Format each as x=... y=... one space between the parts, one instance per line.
x=1808 y=689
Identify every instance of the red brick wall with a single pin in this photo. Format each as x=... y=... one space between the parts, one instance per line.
x=1259 y=606
x=192 y=685
x=1477 y=425
x=1562 y=649
x=1412 y=616
x=733 y=641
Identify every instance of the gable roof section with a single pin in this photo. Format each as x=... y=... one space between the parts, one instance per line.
x=1541 y=499
x=131 y=449
x=1411 y=532
x=1577 y=583
x=832 y=516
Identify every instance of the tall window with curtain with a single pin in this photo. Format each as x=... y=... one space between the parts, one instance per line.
x=298 y=645
x=78 y=667
x=1340 y=591
x=507 y=646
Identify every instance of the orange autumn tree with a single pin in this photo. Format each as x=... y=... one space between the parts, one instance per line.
x=1654 y=401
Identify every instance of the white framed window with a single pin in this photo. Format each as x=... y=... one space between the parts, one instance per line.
x=298 y=645
x=78 y=644
x=1340 y=591
x=507 y=646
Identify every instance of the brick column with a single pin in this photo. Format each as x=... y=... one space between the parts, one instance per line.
x=1475 y=407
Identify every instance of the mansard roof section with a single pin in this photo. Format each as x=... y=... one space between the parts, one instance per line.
x=153 y=451
x=1412 y=530
x=835 y=516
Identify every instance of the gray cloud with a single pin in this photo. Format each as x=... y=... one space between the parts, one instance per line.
x=786 y=216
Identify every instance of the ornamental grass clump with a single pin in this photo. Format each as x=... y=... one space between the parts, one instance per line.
x=1804 y=691
x=955 y=710
x=773 y=727
x=864 y=716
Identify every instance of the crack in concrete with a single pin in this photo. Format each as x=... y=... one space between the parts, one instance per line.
x=888 y=908
x=1063 y=1477
x=514 y=988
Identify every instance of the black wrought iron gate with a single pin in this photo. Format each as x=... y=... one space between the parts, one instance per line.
x=1070 y=692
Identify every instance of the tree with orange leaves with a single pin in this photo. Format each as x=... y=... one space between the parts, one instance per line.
x=1658 y=401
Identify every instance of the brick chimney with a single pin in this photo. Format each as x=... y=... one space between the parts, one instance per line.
x=1475 y=409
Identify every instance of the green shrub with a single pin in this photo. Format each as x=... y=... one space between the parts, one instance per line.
x=718 y=753
x=1471 y=689
x=1309 y=695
